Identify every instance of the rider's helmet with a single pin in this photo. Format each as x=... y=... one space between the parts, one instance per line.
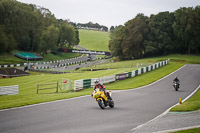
x=96 y=81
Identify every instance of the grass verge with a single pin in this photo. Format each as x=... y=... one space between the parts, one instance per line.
x=195 y=130
x=191 y=104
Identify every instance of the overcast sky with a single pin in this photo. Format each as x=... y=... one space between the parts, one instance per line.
x=108 y=12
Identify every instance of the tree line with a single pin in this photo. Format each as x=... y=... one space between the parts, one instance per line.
x=32 y=28
x=160 y=34
x=91 y=25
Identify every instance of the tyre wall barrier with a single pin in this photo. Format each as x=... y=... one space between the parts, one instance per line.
x=37 y=63
x=44 y=71
x=62 y=63
x=87 y=83
x=78 y=85
x=12 y=65
x=103 y=80
x=9 y=90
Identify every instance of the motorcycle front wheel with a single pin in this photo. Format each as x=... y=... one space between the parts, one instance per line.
x=101 y=104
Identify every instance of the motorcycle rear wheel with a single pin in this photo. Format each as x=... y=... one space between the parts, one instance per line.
x=111 y=104
x=176 y=88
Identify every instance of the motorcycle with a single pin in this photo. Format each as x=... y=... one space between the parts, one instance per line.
x=176 y=86
x=102 y=99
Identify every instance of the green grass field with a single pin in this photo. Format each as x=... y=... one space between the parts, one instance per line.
x=94 y=40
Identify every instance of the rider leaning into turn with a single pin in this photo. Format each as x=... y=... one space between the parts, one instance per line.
x=101 y=87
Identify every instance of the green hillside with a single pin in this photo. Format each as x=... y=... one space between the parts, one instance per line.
x=89 y=39
x=94 y=40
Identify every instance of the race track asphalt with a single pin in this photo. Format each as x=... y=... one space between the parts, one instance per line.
x=82 y=115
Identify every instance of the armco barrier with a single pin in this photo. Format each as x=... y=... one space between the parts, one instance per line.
x=121 y=76
x=142 y=70
x=107 y=79
x=129 y=74
x=86 y=83
x=146 y=69
x=9 y=90
x=136 y=72
x=133 y=74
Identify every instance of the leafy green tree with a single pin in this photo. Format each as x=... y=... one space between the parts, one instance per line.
x=163 y=33
x=115 y=43
x=196 y=24
x=92 y=25
x=183 y=29
x=3 y=41
x=7 y=42
x=67 y=35
x=49 y=39
x=112 y=28
x=160 y=37
x=127 y=42
x=77 y=36
x=11 y=43
x=29 y=27
x=133 y=43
